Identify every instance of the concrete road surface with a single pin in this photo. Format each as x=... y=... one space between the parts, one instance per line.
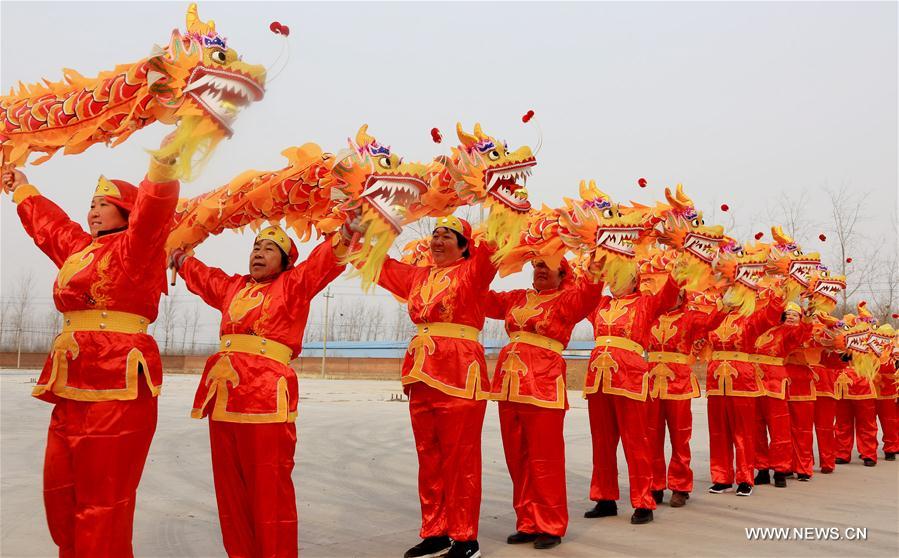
x=356 y=488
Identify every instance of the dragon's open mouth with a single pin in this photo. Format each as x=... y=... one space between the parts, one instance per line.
x=857 y=342
x=801 y=270
x=750 y=274
x=619 y=240
x=829 y=289
x=878 y=343
x=223 y=93
x=391 y=195
x=503 y=183
x=702 y=246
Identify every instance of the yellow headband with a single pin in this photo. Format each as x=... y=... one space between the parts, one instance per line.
x=106 y=187
x=793 y=307
x=277 y=235
x=452 y=223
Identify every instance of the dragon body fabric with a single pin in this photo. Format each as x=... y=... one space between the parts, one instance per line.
x=196 y=81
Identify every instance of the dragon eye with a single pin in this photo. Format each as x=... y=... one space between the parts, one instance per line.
x=218 y=56
x=797 y=252
x=384 y=162
x=695 y=222
x=607 y=213
x=494 y=155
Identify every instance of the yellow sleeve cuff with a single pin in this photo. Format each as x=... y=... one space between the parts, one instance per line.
x=24 y=192
x=160 y=172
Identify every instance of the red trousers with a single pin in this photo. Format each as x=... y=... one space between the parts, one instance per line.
x=251 y=467
x=773 y=448
x=889 y=424
x=732 y=426
x=825 y=415
x=447 y=433
x=858 y=417
x=802 y=419
x=93 y=464
x=535 y=455
x=614 y=417
x=678 y=415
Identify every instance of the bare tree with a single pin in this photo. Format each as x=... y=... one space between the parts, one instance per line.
x=846 y=212
x=19 y=309
x=191 y=327
x=792 y=214
x=168 y=315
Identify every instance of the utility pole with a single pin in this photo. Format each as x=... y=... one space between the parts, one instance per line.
x=328 y=296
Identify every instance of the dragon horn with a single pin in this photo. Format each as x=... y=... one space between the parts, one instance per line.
x=362 y=136
x=467 y=139
x=195 y=24
x=478 y=132
x=780 y=237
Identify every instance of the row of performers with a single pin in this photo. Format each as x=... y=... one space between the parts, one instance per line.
x=770 y=379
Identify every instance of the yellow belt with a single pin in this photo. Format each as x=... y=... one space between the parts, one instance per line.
x=447 y=329
x=731 y=355
x=675 y=358
x=619 y=343
x=536 y=340
x=765 y=359
x=255 y=345
x=104 y=320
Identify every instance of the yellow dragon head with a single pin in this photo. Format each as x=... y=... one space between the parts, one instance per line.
x=824 y=290
x=196 y=80
x=742 y=268
x=786 y=259
x=881 y=342
x=605 y=232
x=385 y=191
x=684 y=230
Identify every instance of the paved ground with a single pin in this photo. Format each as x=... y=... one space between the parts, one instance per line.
x=356 y=481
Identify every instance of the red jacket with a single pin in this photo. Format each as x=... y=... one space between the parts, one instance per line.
x=262 y=330
x=731 y=370
x=771 y=349
x=119 y=272
x=447 y=303
x=670 y=346
x=621 y=327
x=530 y=370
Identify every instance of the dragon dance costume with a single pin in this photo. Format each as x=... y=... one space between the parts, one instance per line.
x=250 y=393
x=885 y=388
x=104 y=371
x=445 y=376
x=672 y=387
x=617 y=384
x=529 y=383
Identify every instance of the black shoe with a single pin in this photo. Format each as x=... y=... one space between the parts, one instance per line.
x=720 y=488
x=802 y=477
x=464 y=549
x=780 y=480
x=744 y=489
x=889 y=456
x=678 y=499
x=641 y=516
x=841 y=461
x=520 y=538
x=870 y=462
x=763 y=477
x=603 y=508
x=789 y=475
x=658 y=496
x=430 y=547
x=545 y=541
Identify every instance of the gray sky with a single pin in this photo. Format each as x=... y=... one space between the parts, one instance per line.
x=739 y=101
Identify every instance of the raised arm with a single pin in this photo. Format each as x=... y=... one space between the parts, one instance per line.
x=397 y=277
x=320 y=268
x=496 y=304
x=209 y=283
x=45 y=222
x=582 y=296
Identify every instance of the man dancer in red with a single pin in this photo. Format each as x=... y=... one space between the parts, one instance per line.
x=882 y=342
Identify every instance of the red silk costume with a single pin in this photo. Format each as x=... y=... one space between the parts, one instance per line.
x=885 y=389
x=856 y=415
x=445 y=375
x=810 y=397
x=773 y=411
x=529 y=383
x=672 y=386
x=104 y=371
x=732 y=386
x=616 y=387
x=250 y=394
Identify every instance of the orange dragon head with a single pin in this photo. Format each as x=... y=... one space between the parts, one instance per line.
x=787 y=260
x=741 y=268
x=196 y=81
x=684 y=230
x=824 y=290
